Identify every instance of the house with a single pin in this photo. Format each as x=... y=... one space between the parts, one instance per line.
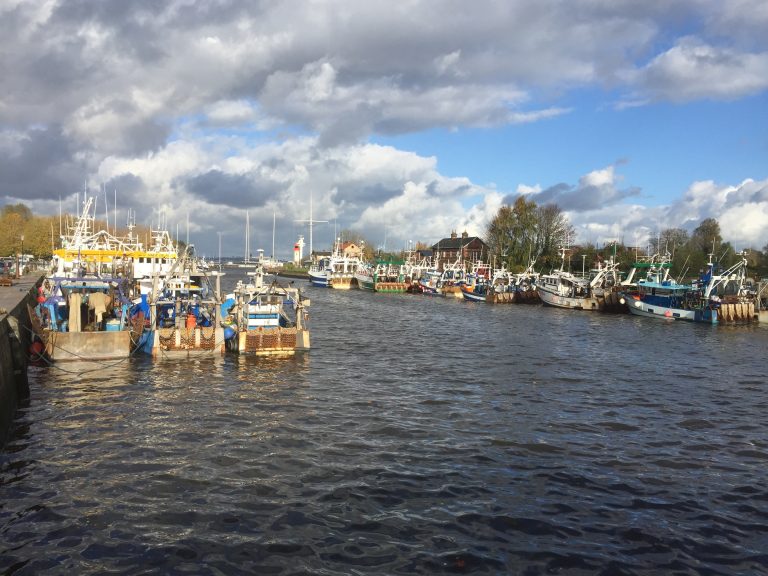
x=351 y=250
x=348 y=249
x=319 y=255
x=469 y=248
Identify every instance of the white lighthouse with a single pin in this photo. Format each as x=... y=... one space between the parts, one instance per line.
x=298 y=251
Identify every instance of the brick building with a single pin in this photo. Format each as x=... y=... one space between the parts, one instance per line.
x=470 y=248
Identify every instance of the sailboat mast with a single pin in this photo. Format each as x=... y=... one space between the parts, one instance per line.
x=273 y=235
x=106 y=207
x=247 y=226
x=310 y=224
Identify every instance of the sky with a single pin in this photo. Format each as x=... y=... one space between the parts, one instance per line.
x=403 y=121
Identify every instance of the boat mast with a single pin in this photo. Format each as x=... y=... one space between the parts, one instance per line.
x=311 y=221
x=273 y=235
x=247 y=226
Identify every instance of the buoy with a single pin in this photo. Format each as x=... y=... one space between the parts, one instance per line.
x=191 y=321
x=36 y=348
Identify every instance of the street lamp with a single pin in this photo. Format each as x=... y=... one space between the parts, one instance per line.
x=19 y=266
x=219 y=233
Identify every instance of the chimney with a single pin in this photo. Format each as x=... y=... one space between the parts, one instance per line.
x=464 y=235
x=453 y=235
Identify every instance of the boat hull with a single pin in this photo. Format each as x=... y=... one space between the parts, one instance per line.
x=319 y=279
x=341 y=282
x=470 y=295
x=273 y=341
x=640 y=308
x=106 y=345
x=184 y=341
x=365 y=282
x=551 y=299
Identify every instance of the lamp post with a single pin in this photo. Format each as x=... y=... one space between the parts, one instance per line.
x=219 y=233
x=20 y=261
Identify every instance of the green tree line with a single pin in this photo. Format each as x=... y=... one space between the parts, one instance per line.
x=524 y=231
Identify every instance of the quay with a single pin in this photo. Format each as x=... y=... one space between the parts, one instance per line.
x=15 y=330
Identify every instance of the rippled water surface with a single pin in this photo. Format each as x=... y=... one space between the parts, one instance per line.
x=420 y=435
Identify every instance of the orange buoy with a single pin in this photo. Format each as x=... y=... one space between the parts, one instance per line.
x=191 y=321
x=36 y=348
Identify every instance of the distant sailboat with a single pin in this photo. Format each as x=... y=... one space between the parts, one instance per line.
x=247 y=258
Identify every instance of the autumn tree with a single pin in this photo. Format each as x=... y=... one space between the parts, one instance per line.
x=11 y=230
x=523 y=231
x=553 y=231
x=21 y=209
x=669 y=241
x=512 y=234
x=497 y=234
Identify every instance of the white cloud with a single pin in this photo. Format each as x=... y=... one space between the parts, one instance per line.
x=741 y=210
x=693 y=69
x=226 y=112
x=139 y=88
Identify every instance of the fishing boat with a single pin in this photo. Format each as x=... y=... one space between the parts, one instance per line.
x=475 y=292
x=452 y=276
x=514 y=287
x=365 y=276
x=563 y=289
x=180 y=315
x=336 y=271
x=477 y=285
x=83 y=303
x=319 y=273
x=431 y=282
x=382 y=276
x=341 y=273
x=713 y=298
x=266 y=319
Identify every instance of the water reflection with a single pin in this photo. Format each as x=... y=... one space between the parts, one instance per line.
x=417 y=436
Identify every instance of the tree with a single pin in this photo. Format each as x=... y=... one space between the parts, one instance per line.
x=554 y=231
x=40 y=234
x=669 y=240
x=706 y=238
x=497 y=234
x=11 y=229
x=524 y=231
x=21 y=209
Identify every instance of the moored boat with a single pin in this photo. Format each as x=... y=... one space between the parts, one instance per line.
x=563 y=289
x=180 y=315
x=476 y=292
x=83 y=303
x=267 y=319
x=714 y=298
x=319 y=273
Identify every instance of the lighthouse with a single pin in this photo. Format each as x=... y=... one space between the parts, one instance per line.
x=298 y=251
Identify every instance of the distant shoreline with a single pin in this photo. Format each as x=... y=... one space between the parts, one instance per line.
x=289 y=274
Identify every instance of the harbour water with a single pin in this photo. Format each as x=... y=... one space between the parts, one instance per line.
x=419 y=435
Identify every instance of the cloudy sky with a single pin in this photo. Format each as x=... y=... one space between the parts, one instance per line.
x=402 y=120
